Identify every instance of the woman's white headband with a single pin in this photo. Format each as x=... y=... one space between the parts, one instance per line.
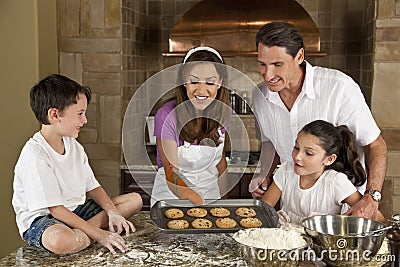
x=200 y=48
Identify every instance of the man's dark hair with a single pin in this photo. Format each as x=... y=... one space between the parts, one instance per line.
x=281 y=34
x=55 y=91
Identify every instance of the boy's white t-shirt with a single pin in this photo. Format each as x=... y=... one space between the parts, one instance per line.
x=324 y=197
x=43 y=178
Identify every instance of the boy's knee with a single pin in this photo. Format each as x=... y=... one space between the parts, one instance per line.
x=60 y=239
x=135 y=199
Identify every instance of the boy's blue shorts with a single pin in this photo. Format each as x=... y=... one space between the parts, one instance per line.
x=34 y=234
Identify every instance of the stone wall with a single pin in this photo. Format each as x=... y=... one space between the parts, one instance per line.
x=89 y=41
x=386 y=94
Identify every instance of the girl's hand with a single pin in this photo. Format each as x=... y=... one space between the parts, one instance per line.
x=117 y=223
x=110 y=240
x=284 y=219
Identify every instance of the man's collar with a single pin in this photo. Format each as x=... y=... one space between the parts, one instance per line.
x=308 y=84
x=307 y=89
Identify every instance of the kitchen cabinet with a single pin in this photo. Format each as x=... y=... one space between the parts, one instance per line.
x=146 y=180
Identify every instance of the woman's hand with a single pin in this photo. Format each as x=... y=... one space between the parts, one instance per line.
x=117 y=223
x=258 y=186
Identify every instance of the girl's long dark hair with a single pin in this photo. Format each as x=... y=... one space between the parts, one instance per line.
x=340 y=141
x=214 y=116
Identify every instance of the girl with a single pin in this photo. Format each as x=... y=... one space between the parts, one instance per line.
x=190 y=129
x=323 y=175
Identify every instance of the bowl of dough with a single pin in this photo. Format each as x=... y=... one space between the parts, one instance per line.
x=272 y=246
x=344 y=240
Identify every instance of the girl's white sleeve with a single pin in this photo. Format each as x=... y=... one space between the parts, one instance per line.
x=343 y=187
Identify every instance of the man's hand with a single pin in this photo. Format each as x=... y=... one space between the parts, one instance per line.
x=366 y=208
x=117 y=223
x=258 y=186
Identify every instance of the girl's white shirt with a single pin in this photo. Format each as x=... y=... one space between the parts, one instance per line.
x=324 y=197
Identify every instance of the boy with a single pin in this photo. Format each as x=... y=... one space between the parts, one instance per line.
x=52 y=177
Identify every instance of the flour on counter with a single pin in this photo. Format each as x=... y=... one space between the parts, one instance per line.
x=270 y=238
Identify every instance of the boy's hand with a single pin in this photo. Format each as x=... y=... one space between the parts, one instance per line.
x=111 y=240
x=117 y=223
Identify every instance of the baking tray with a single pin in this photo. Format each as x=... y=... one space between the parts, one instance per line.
x=265 y=213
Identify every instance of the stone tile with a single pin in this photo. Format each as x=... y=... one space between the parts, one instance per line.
x=387 y=198
x=392 y=138
x=113 y=13
x=70 y=65
x=385 y=51
x=89 y=45
x=393 y=22
x=97 y=13
x=111 y=184
x=324 y=5
x=91 y=113
x=396 y=186
x=107 y=32
x=388 y=34
x=110 y=119
x=106 y=167
x=72 y=11
x=396 y=205
x=103 y=151
x=309 y=5
x=386 y=77
x=100 y=62
x=385 y=9
x=88 y=135
x=85 y=21
x=103 y=83
x=393 y=169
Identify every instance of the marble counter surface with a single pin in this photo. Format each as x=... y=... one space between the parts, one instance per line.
x=148 y=246
x=232 y=168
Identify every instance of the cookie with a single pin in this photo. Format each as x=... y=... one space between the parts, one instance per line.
x=201 y=223
x=197 y=212
x=220 y=212
x=225 y=223
x=250 y=222
x=174 y=213
x=246 y=212
x=178 y=224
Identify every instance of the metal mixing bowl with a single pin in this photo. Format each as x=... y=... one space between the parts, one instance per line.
x=339 y=240
x=257 y=257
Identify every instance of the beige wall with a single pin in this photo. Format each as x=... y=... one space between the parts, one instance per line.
x=28 y=51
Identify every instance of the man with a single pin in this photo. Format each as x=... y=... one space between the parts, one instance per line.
x=296 y=93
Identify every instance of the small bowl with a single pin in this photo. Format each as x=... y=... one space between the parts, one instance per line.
x=338 y=240
x=256 y=256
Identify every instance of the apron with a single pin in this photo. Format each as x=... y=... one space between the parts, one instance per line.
x=199 y=164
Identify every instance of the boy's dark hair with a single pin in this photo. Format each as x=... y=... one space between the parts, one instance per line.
x=340 y=141
x=281 y=34
x=55 y=91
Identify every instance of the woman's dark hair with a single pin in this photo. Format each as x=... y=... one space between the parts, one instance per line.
x=215 y=115
x=340 y=141
x=281 y=34
x=55 y=91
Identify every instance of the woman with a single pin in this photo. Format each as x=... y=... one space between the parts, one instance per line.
x=190 y=130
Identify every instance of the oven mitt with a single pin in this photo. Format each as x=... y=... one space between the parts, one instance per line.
x=181 y=187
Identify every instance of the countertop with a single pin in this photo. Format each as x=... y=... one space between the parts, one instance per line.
x=148 y=246
x=232 y=168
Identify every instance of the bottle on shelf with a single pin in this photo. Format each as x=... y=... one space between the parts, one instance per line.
x=234 y=101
